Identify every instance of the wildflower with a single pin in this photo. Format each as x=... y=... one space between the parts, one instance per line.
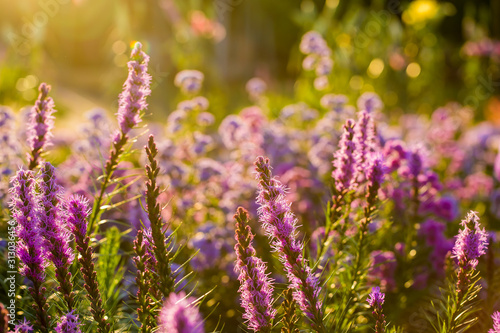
x=496 y=323
x=160 y=243
x=68 y=323
x=54 y=233
x=77 y=209
x=189 y=81
x=256 y=87
x=280 y=225
x=345 y=160
x=364 y=140
x=471 y=243
x=180 y=315
x=376 y=300
x=205 y=119
x=256 y=288
x=333 y=102
x=23 y=327
x=175 y=120
x=370 y=102
x=313 y=43
x=24 y=206
x=41 y=124
x=132 y=100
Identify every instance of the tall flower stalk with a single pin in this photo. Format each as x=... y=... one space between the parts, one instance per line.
x=280 y=225
x=54 y=233
x=471 y=243
x=374 y=176
x=160 y=242
x=463 y=289
x=29 y=247
x=132 y=103
x=41 y=124
x=255 y=286
x=143 y=280
x=78 y=211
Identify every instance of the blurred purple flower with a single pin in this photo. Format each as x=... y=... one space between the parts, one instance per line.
x=189 y=81
x=382 y=269
x=496 y=323
x=180 y=315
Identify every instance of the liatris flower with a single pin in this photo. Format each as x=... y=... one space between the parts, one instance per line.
x=23 y=327
x=143 y=280
x=290 y=319
x=189 y=81
x=345 y=160
x=280 y=225
x=496 y=323
x=160 y=242
x=471 y=243
x=376 y=300
x=180 y=315
x=41 y=124
x=364 y=140
x=132 y=100
x=54 y=233
x=256 y=287
x=77 y=212
x=68 y=323
x=29 y=248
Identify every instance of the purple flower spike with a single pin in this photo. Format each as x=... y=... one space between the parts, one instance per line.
x=52 y=226
x=24 y=208
x=23 y=327
x=364 y=140
x=471 y=243
x=180 y=315
x=496 y=323
x=345 y=160
x=132 y=100
x=68 y=323
x=78 y=211
x=376 y=300
x=280 y=225
x=41 y=124
x=256 y=288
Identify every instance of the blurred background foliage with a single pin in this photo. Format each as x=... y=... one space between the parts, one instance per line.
x=414 y=54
